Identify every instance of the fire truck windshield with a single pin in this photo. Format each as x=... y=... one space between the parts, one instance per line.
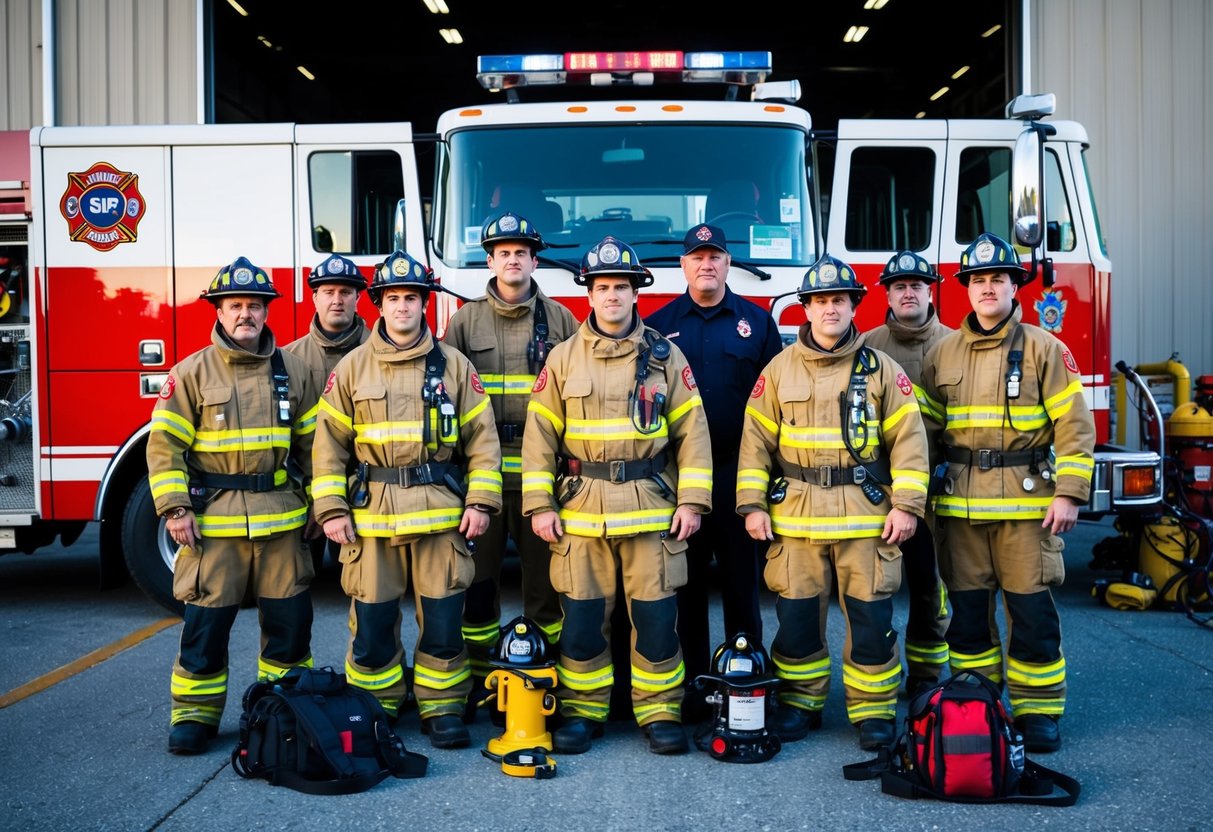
x=643 y=183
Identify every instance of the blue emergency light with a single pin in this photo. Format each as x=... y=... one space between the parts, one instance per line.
x=498 y=72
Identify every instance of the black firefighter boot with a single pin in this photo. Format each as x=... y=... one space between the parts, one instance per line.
x=1041 y=733
x=574 y=736
x=446 y=731
x=190 y=737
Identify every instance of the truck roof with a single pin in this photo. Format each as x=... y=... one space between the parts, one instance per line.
x=1002 y=129
x=209 y=134
x=631 y=111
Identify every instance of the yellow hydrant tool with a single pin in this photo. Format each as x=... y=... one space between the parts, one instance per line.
x=523 y=679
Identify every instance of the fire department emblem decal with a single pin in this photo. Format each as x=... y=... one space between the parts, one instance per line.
x=542 y=381
x=476 y=385
x=1052 y=311
x=904 y=385
x=332 y=380
x=1067 y=358
x=688 y=378
x=102 y=206
x=759 y=386
x=743 y=328
x=170 y=384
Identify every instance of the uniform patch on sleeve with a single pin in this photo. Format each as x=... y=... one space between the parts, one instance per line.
x=688 y=378
x=904 y=384
x=476 y=385
x=1067 y=358
x=541 y=381
x=759 y=386
x=170 y=384
x=328 y=385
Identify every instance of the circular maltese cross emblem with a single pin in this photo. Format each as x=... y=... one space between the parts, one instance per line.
x=828 y=274
x=336 y=267
x=400 y=268
x=906 y=263
x=608 y=253
x=984 y=252
x=743 y=328
x=243 y=276
x=102 y=206
x=508 y=223
x=704 y=234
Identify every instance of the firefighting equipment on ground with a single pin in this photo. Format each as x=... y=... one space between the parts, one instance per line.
x=742 y=695
x=523 y=680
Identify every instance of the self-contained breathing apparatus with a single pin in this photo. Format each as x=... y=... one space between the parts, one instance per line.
x=742 y=694
x=855 y=411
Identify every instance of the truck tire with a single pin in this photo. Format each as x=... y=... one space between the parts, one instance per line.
x=148 y=550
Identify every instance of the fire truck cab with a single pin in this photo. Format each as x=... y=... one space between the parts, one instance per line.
x=127 y=225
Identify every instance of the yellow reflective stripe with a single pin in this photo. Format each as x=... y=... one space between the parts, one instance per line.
x=1016 y=508
x=251 y=526
x=603 y=677
x=931 y=407
x=245 y=439
x=1036 y=675
x=206 y=714
x=832 y=528
x=496 y=384
x=432 y=677
x=695 y=478
x=763 y=420
x=1076 y=466
x=885 y=681
x=168 y=482
x=414 y=522
x=553 y=630
x=823 y=438
x=481 y=479
x=616 y=524
x=511 y=465
x=535 y=407
x=898 y=415
x=307 y=422
x=682 y=409
x=1059 y=404
x=858 y=711
x=1025 y=417
x=330 y=485
x=474 y=412
x=1052 y=707
x=656 y=682
x=209 y=686
x=325 y=407
x=804 y=701
x=374 y=681
x=541 y=481
x=591 y=430
x=646 y=712
x=971 y=661
x=170 y=422
x=929 y=653
x=380 y=433
x=484 y=634
x=753 y=478
x=803 y=671
x=910 y=480
x=267 y=672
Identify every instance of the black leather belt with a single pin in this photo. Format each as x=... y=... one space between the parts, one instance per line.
x=624 y=470
x=987 y=458
x=427 y=474
x=826 y=475
x=235 y=482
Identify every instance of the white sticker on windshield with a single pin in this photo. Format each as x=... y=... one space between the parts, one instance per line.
x=789 y=209
x=770 y=242
x=471 y=236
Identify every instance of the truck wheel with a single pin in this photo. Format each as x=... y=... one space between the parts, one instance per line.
x=148 y=550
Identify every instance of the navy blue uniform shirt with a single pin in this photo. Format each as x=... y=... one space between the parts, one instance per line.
x=728 y=346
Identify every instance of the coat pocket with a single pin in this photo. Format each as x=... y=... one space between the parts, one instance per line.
x=186 y=573
x=350 y=558
x=1052 y=562
x=775 y=573
x=460 y=567
x=887 y=572
x=674 y=563
x=795 y=404
x=560 y=569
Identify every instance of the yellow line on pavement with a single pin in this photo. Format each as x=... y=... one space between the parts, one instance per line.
x=84 y=662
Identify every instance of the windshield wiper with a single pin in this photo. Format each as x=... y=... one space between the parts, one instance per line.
x=741 y=264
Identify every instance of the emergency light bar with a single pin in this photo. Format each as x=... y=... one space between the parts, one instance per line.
x=500 y=72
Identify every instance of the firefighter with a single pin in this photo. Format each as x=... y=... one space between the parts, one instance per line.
x=507 y=335
x=336 y=329
x=407 y=472
x=727 y=341
x=833 y=474
x=228 y=457
x=616 y=465
x=1002 y=392
x=911 y=326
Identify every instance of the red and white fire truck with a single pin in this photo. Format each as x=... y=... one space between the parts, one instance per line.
x=126 y=225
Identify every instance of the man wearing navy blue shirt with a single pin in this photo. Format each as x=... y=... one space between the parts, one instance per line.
x=727 y=340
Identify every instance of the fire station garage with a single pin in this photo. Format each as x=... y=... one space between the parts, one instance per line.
x=1133 y=72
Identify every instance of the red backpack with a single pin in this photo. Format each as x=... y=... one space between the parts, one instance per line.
x=960 y=745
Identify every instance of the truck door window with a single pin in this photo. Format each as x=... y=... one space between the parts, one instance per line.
x=1086 y=174
x=889 y=198
x=983 y=198
x=353 y=196
x=1059 y=224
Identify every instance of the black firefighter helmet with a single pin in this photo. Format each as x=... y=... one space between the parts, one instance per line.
x=522 y=644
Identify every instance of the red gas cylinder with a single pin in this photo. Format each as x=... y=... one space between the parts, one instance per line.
x=1190 y=441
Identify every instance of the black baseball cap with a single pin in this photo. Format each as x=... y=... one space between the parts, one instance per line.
x=704 y=235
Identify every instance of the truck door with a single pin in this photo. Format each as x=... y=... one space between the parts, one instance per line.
x=351 y=178
x=888 y=184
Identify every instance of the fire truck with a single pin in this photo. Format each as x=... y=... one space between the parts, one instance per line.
x=112 y=232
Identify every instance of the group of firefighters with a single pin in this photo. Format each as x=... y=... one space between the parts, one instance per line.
x=956 y=457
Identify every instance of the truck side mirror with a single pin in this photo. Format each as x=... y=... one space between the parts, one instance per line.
x=1026 y=203
x=398 y=236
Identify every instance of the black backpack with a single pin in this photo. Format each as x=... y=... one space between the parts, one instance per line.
x=313 y=732
x=959 y=745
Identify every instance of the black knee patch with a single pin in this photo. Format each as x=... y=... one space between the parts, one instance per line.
x=441 y=626
x=204 y=638
x=581 y=636
x=480 y=603
x=287 y=625
x=799 y=627
x=969 y=631
x=656 y=638
x=1035 y=627
x=872 y=633
x=374 y=638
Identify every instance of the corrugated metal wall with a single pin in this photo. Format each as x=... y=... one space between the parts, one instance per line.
x=20 y=64
x=1138 y=74
x=126 y=61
